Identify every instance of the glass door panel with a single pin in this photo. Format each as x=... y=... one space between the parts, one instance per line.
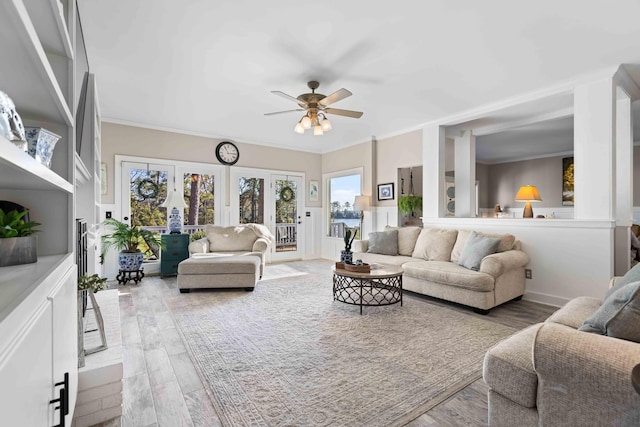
x=251 y=197
x=287 y=219
x=145 y=189
x=199 y=195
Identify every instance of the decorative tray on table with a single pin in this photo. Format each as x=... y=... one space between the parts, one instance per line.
x=364 y=268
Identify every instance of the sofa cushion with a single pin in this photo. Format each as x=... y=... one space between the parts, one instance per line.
x=407 y=237
x=632 y=275
x=232 y=238
x=476 y=248
x=383 y=242
x=508 y=368
x=618 y=316
x=507 y=242
x=448 y=273
x=575 y=312
x=435 y=244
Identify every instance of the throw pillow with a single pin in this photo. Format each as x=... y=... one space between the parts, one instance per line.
x=435 y=244
x=476 y=248
x=383 y=242
x=506 y=243
x=632 y=275
x=407 y=237
x=618 y=316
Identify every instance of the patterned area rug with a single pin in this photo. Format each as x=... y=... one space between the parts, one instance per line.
x=288 y=355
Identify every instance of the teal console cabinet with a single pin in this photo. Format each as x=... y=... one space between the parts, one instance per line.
x=176 y=249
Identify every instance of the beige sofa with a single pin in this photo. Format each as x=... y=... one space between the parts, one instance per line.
x=430 y=256
x=239 y=240
x=552 y=374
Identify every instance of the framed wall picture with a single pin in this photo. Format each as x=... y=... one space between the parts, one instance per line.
x=313 y=190
x=385 y=191
x=567 y=181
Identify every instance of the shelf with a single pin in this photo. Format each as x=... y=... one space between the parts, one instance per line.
x=50 y=25
x=30 y=81
x=20 y=171
x=18 y=281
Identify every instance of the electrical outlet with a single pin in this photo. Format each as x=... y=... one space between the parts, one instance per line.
x=108 y=214
x=527 y=273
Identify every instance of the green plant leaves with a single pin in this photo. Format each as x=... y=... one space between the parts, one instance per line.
x=12 y=225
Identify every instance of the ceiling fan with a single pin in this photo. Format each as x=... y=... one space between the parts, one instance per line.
x=316 y=107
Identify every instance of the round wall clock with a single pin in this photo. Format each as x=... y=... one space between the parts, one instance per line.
x=227 y=153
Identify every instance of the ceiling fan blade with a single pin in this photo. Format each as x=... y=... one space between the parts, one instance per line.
x=346 y=113
x=289 y=97
x=282 y=112
x=334 y=97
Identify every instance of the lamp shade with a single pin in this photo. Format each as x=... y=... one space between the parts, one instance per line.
x=361 y=203
x=528 y=193
x=173 y=200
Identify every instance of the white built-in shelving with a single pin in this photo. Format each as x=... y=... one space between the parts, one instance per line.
x=38 y=302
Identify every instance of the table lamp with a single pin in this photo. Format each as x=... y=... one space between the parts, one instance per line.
x=528 y=194
x=361 y=204
x=175 y=201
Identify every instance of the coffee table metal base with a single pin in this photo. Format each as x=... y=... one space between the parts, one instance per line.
x=367 y=291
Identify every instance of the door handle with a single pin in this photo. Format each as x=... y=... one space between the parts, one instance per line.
x=126 y=218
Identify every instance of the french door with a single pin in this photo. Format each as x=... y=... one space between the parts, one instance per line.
x=274 y=200
x=144 y=188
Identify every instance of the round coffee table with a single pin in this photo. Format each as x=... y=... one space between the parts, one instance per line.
x=380 y=286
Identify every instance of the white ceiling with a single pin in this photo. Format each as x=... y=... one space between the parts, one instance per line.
x=207 y=67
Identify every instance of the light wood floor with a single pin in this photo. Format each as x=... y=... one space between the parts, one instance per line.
x=162 y=388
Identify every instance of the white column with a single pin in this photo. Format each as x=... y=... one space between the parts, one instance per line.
x=623 y=206
x=594 y=150
x=624 y=160
x=465 y=167
x=433 y=171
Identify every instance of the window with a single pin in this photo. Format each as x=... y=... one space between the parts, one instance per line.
x=342 y=191
x=199 y=194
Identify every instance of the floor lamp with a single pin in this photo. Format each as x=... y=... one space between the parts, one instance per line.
x=361 y=204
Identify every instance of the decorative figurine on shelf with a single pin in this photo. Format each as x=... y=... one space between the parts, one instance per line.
x=346 y=256
x=497 y=211
x=10 y=122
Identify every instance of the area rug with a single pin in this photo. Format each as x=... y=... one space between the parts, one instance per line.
x=288 y=355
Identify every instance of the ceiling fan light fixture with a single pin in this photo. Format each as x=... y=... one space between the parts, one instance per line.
x=317 y=130
x=326 y=124
x=299 y=128
x=306 y=122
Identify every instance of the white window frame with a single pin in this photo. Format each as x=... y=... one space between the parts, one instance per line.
x=178 y=167
x=327 y=195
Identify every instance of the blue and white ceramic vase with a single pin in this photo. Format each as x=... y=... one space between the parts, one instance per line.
x=130 y=261
x=175 y=222
x=346 y=257
x=41 y=144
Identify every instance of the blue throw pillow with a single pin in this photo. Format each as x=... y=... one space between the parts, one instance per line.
x=618 y=316
x=476 y=248
x=632 y=275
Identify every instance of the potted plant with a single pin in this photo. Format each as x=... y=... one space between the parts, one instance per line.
x=18 y=244
x=126 y=239
x=346 y=255
x=409 y=204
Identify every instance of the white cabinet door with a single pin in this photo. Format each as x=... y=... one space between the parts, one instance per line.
x=25 y=374
x=64 y=326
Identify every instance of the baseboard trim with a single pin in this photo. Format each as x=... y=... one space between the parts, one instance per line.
x=552 y=300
